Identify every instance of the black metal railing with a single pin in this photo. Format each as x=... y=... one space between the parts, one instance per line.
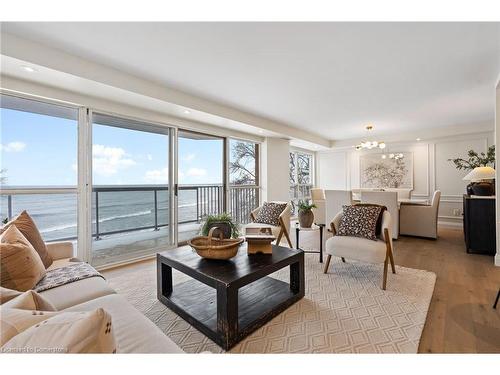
x=243 y=200
x=203 y=200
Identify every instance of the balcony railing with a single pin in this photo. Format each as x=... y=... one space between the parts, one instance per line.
x=121 y=209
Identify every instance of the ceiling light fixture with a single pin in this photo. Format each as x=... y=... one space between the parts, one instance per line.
x=419 y=139
x=187 y=112
x=28 y=69
x=261 y=131
x=396 y=156
x=370 y=144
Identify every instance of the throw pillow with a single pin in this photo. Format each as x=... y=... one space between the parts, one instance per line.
x=15 y=321
x=8 y=294
x=21 y=265
x=30 y=300
x=67 y=332
x=380 y=215
x=28 y=228
x=270 y=213
x=359 y=221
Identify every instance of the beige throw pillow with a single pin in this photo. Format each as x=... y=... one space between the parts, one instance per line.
x=66 y=332
x=14 y=321
x=28 y=228
x=30 y=300
x=8 y=294
x=21 y=265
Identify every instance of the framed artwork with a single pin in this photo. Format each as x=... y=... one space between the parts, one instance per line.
x=393 y=170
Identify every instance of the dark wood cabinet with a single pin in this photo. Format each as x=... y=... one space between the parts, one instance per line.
x=479 y=225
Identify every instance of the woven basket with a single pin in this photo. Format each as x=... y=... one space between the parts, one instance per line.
x=215 y=248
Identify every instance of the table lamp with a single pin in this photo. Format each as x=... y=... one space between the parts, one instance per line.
x=481 y=181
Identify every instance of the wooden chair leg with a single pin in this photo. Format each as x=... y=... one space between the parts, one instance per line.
x=278 y=240
x=285 y=232
x=384 y=281
x=391 y=258
x=343 y=259
x=327 y=264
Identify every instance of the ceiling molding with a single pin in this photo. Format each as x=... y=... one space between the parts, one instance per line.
x=36 y=53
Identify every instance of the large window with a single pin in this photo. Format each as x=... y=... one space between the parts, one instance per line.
x=243 y=179
x=201 y=181
x=38 y=149
x=130 y=189
x=301 y=177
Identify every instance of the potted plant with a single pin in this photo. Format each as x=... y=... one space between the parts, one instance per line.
x=306 y=216
x=477 y=160
x=225 y=223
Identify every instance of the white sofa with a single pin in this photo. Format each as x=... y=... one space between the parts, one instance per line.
x=134 y=332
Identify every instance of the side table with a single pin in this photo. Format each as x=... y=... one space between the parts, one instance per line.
x=314 y=227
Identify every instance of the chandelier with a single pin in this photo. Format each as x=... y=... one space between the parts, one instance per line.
x=393 y=156
x=370 y=144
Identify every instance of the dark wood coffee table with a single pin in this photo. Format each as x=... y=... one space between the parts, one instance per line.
x=227 y=300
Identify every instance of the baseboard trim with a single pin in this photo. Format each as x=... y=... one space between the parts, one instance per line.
x=497 y=260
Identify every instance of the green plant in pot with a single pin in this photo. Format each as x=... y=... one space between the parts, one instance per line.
x=306 y=216
x=476 y=160
x=225 y=223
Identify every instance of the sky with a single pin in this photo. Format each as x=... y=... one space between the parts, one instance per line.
x=39 y=150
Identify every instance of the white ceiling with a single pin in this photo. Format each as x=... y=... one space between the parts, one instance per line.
x=327 y=78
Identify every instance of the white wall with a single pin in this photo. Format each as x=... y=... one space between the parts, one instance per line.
x=275 y=169
x=340 y=169
x=497 y=193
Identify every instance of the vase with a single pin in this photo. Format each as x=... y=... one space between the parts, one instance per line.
x=306 y=219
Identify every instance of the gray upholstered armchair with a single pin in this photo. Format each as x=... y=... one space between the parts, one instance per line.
x=420 y=219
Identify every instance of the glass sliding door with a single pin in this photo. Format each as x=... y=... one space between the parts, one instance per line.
x=243 y=179
x=200 y=175
x=131 y=189
x=38 y=164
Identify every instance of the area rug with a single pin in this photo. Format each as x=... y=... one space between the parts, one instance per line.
x=344 y=311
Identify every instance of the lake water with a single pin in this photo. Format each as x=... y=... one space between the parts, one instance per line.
x=56 y=214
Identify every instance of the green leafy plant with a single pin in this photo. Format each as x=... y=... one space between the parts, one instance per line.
x=305 y=206
x=475 y=159
x=225 y=218
x=5 y=221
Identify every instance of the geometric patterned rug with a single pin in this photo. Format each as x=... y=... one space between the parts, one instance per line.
x=345 y=311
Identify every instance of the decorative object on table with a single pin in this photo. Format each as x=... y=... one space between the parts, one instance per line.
x=210 y=247
x=283 y=225
x=306 y=216
x=315 y=227
x=394 y=170
x=482 y=181
x=370 y=144
x=474 y=161
x=224 y=223
x=259 y=240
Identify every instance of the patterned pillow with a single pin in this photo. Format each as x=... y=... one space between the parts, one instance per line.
x=270 y=213
x=359 y=221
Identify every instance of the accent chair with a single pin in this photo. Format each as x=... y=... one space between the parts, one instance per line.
x=282 y=229
x=362 y=249
x=420 y=220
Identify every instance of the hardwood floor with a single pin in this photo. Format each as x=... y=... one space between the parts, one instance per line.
x=460 y=318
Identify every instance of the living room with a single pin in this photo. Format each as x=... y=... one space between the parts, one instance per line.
x=249 y=188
